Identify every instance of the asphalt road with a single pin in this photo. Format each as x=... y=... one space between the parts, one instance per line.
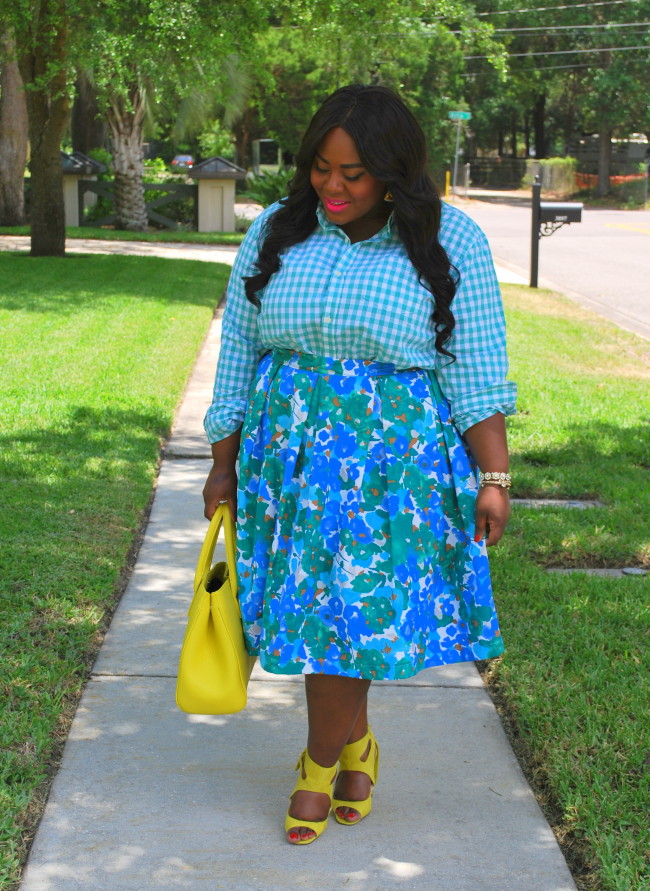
x=602 y=262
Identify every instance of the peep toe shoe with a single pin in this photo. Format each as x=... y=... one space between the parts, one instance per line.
x=351 y=759
x=311 y=778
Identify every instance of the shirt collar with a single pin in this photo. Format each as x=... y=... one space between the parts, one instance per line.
x=328 y=226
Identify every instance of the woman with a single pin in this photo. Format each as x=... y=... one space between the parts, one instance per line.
x=361 y=381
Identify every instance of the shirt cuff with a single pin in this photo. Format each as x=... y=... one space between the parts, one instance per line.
x=485 y=403
x=222 y=420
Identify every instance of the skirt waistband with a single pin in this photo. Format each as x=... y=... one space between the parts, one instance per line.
x=328 y=365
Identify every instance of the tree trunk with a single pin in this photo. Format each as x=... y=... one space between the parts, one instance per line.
x=13 y=137
x=604 y=161
x=44 y=73
x=527 y=134
x=242 y=149
x=88 y=127
x=242 y=131
x=500 y=150
x=538 y=126
x=513 y=136
x=126 y=120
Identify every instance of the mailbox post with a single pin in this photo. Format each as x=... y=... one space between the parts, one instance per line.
x=548 y=217
x=535 y=236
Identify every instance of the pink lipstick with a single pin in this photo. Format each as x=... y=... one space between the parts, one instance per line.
x=335 y=206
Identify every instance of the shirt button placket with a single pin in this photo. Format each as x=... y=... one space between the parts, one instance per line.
x=333 y=298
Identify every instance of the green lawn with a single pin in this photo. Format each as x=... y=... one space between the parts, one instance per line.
x=163 y=235
x=95 y=353
x=574 y=684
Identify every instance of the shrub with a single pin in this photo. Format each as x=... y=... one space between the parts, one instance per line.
x=215 y=139
x=156 y=171
x=100 y=207
x=104 y=157
x=267 y=188
x=557 y=175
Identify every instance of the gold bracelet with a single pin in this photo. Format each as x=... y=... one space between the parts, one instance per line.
x=494 y=479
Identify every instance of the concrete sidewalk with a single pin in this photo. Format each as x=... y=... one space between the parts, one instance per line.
x=148 y=797
x=214 y=253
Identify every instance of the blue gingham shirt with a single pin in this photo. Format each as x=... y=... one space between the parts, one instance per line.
x=364 y=301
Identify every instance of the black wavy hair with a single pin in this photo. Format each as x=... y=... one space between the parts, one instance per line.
x=392 y=147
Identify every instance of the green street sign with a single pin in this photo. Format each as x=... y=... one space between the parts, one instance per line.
x=459 y=116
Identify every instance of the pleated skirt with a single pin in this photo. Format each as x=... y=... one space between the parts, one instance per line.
x=356 y=550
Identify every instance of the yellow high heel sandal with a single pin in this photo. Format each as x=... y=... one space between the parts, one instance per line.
x=351 y=760
x=312 y=778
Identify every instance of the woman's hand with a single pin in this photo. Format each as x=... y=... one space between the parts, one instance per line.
x=487 y=443
x=492 y=512
x=221 y=484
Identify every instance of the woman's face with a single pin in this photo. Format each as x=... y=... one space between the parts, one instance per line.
x=351 y=196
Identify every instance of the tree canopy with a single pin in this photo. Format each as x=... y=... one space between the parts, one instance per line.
x=570 y=69
x=534 y=73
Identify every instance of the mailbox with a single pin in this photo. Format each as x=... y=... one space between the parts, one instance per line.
x=548 y=217
x=560 y=212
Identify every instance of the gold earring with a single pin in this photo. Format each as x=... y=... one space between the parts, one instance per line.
x=388 y=197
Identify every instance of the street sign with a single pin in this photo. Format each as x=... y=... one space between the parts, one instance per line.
x=458 y=116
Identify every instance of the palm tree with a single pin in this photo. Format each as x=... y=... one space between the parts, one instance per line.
x=142 y=50
x=126 y=116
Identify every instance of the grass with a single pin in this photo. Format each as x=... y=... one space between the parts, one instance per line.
x=616 y=200
x=164 y=235
x=96 y=351
x=574 y=684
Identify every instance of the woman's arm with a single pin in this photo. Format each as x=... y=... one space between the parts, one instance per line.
x=240 y=345
x=221 y=484
x=238 y=357
x=475 y=384
x=488 y=444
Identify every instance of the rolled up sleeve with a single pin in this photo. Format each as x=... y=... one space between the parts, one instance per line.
x=241 y=347
x=475 y=384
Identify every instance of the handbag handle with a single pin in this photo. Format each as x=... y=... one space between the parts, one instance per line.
x=221 y=517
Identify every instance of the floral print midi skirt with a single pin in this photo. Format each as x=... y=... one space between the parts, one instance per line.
x=355 y=532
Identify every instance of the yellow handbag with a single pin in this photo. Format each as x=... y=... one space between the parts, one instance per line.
x=214 y=667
